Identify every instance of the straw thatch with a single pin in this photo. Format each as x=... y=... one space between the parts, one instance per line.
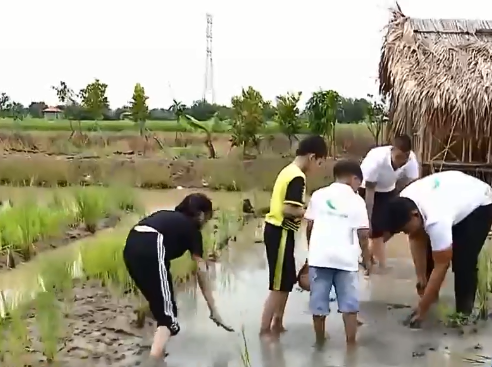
x=437 y=75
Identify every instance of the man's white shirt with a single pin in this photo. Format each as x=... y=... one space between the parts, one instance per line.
x=338 y=212
x=444 y=199
x=376 y=167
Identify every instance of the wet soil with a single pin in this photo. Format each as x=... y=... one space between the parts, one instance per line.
x=101 y=327
x=11 y=259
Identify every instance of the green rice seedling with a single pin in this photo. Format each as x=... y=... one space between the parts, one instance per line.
x=245 y=356
x=22 y=229
x=125 y=199
x=65 y=205
x=102 y=260
x=49 y=322
x=92 y=205
x=17 y=338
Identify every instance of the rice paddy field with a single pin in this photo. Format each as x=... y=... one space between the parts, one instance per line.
x=74 y=305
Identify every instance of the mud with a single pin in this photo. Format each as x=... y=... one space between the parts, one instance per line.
x=12 y=259
x=101 y=328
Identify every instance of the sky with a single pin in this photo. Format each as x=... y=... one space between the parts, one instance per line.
x=273 y=45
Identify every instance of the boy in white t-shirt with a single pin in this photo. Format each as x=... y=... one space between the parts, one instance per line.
x=338 y=227
x=447 y=216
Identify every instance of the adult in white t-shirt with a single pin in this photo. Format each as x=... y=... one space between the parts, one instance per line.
x=385 y=169
x=338 y=227
x=453 y=212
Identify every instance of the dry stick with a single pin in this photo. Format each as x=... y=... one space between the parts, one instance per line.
x=448 y=145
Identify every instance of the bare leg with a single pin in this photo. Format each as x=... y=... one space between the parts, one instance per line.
x=161 y=337
x=351 y=324
x=376 y=246
x=278 y=318
x=319 y=324
x=272 y=310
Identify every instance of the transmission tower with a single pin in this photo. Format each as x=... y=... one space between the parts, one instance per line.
x=208 y=87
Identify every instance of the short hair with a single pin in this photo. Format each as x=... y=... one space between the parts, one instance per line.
x=399 y=213
x=403 y=142
x=313 y=144
x=194 y=204
x=347 y=167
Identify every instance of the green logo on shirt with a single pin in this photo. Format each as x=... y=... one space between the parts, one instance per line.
x=436 y=184
x=330 y=205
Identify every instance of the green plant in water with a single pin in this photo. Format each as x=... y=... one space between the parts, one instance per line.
x=103 y=260
x=245 y=356
x=92 y=205
x=125 y=199
x=17 y=339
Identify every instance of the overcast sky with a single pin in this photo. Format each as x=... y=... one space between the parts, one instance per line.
x=273 y=45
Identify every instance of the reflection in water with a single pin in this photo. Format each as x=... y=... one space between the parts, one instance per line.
x=272 y=355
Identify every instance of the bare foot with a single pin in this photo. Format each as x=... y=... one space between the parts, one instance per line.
x=268 y=336
x=279 y=329
x=381 y=270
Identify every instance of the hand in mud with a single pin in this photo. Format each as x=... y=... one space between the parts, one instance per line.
x=215 y=317
x=414 y=320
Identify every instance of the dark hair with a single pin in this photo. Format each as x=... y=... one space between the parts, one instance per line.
x=194 y=204
x=399 y=213
x=403 y=142
x=313 y=144
x=347 y=167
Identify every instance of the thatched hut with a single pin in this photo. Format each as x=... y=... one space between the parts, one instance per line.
x=437 y=77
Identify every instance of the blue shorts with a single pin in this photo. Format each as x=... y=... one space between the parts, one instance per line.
x=321 y=281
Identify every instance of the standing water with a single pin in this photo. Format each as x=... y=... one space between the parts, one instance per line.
x=240 y=282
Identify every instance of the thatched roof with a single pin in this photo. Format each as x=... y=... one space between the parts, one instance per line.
x=438 y=73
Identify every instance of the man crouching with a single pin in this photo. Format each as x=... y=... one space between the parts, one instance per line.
x=337 y=231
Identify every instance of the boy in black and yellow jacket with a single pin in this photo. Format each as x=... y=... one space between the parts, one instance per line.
x=281 y=223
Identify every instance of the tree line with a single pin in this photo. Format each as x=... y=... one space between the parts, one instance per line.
x=248 y=113
x=351 y=110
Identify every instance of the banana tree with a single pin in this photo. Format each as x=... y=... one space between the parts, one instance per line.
x=178 y=109
x=195 y=124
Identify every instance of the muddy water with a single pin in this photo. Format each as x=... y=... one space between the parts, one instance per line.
x=240 y=287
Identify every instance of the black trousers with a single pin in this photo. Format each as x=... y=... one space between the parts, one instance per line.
x=469 y=236
x=378 y=217
x=144 y=257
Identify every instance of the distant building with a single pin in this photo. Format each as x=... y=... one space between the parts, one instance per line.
x=52 y=113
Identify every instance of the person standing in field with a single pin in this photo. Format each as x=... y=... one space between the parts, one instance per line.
x=151 y=245
x=447 y=216
x=281 y=224
x=337 y=233
x=386 y=169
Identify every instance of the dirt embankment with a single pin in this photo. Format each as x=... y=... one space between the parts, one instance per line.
x=219 y=174
x=354 y=141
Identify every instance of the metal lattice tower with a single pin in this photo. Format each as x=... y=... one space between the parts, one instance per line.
x=208 y=87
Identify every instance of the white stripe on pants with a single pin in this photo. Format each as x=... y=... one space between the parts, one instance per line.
x=167 y=296
x=166 y=292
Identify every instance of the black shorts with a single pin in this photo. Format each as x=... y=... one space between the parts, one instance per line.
x=469 y=236
x=144 y=257
x=280 y=244
x=379 y=208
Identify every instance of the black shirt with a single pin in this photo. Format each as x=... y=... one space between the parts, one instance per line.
x=180 y=233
